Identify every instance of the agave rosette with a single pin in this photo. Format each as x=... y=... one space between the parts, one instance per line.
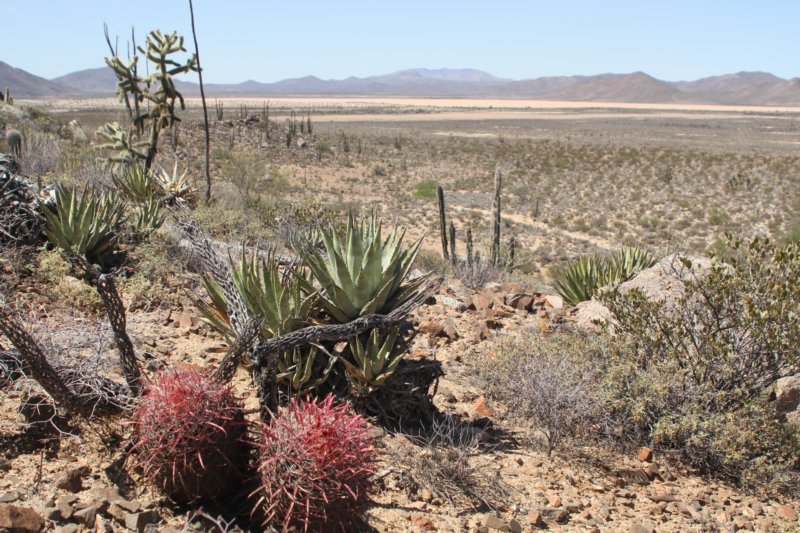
x=363 y=273
x=374 y=359
x=280 y=298
x=86 y=223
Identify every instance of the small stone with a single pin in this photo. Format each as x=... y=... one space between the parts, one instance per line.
x=555 y=514
x=86 y=516
x=652 y=471
x=68 y=528
x=645 y=454
x=423 y=522
x=52 y=513
x=554 y=501
x=138 y=521
x=535 y=519
x=481 y=408
x=9 y=497
x=553 y=301
x=636 y=527
x=787 y=511
x=431 y=327
x=20 y=519
x=493 y=522
x=426 y=496
x=514 y=526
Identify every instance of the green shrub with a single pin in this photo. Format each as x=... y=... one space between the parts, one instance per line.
x=695 y=375
x=426 y=189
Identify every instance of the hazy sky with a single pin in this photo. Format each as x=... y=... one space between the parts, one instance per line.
x=268 y=40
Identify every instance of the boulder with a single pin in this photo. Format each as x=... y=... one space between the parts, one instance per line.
x=15 y=518
x=666 y=281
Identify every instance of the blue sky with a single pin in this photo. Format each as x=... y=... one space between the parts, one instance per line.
x=268 y=40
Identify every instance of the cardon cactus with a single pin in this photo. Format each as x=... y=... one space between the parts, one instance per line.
x=315 y=461
x=189 y=434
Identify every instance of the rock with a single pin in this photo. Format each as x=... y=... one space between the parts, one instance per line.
x=645 y=454
x=652 y=471
x=423 y=522
x=480 y=407
x=426 y=496
x=68 y=528
x=664 y=281
x=514 y=526
x=535 y=519
x=431 y=327
x=555 y=501
x=452 y=303
x=9 y=497
x=787 y=511
x=480 y=302
x=138 y=521
x=636 y=527
x=449 y=329
x=553 y=301
x=20 y=519
x=493 y=522
x=86 y=516
x=555 y=514
x=71 y=481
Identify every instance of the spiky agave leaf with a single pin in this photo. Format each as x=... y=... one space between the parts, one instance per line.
x=149 y=217
x=630 y=260
x=374 y=358
x=281 y=299
x=581 y=279
x=135 y=184
x=363 y=273
x=175 y=185
x=85 y=223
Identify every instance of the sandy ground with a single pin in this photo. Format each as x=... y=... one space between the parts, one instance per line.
x=446 y=108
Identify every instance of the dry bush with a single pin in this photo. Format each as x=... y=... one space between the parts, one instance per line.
x=479 y=274
x=548 y=383
x=444 y=464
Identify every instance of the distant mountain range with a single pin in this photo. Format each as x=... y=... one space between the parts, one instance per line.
x=743 y=88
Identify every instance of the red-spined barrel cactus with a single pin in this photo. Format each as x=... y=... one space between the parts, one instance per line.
x=315 y=461
x=189 y=436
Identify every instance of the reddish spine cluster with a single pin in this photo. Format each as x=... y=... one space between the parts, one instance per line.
x=189 y=435
x=314 y=464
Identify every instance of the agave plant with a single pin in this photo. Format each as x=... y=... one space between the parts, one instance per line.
x=363 y=273
x=375 y=357
x=176 y=186
x=86 y=222
x=283 y=302
x=630 y=260
x=581 y=279
x=135 y=184
x=148 y=217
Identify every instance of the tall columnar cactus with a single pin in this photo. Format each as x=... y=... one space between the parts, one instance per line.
x=453 y=256
x=470 y=253
x=7 y=97
x=442 y=221
x=14 y=139
x=498 y=179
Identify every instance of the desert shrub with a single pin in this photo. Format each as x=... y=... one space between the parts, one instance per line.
x=443 y=463
x=315 y=461
x=426 y=189
x=56 y=272
x=189 y=436
x=549 y=383
x=695 y=375
x=478 y=274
